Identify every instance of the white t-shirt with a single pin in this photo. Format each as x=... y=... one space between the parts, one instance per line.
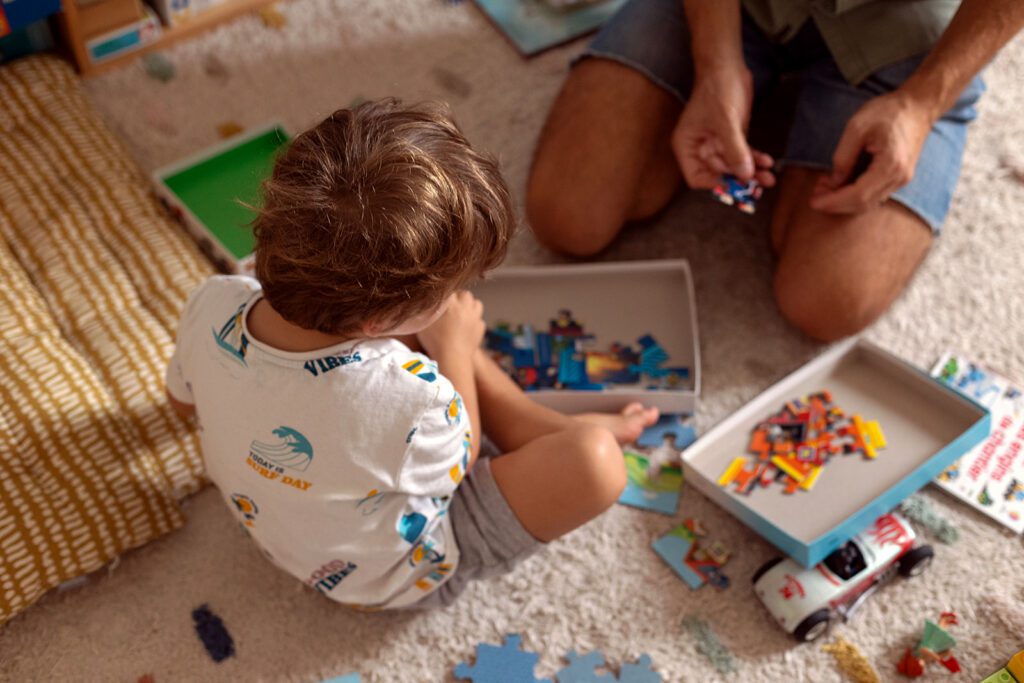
x=340 y=463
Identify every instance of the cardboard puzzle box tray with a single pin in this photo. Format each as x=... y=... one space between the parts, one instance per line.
x=615 y=302
x=926 y=427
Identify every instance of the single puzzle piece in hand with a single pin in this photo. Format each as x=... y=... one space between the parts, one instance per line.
x=641 y=672
x=582 y=669
x=668 y=425
x=507 y=663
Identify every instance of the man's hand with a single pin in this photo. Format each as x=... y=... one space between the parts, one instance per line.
x=891 y=130
x=460 y=330
x=710 y=138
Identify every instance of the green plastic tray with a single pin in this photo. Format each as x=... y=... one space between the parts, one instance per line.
x=214 y=189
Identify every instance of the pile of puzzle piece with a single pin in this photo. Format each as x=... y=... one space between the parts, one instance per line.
x=793 y=446
x=509 y=663
x=563 y=357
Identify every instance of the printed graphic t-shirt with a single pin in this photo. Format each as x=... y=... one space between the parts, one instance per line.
x=340 y=463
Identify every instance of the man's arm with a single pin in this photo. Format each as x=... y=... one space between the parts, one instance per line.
x=892 y=128
x=711 y=136
x=978 y=31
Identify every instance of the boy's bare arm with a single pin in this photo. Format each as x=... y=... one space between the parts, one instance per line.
x=457 y=366
x=451 y=341
x=184 y=410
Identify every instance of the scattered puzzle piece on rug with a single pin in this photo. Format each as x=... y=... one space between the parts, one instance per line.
x=851 y=661
x=146 y=678
x=709 y=645
x=213 y=634
x=919 y=510
x=641 y=672
x=229 y=129
x=583 y=669
x=451 y=82
x=507 y=663
x=695 y=563
x=669 y=426
x=158 y=66
x=659 y=494
x=347 y=678
x=215 y=68
x=271 y=17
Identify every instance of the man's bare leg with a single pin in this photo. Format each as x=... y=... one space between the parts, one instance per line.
x=837 y=274
x=603 y=158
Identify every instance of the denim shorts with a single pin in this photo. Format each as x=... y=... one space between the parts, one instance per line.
x=651 y=36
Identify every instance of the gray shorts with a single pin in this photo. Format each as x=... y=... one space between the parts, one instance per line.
x=651 y=36
x=490 y=537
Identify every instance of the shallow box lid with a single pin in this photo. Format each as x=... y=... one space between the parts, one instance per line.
x=927 y=426
x=618 y=301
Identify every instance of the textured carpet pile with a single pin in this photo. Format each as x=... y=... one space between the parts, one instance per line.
x=601 y=587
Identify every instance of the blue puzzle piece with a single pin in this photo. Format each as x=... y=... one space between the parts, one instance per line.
x=347 y=678
x=501 y=664
x=641 y=672
x=668 y=425
x=582 y=668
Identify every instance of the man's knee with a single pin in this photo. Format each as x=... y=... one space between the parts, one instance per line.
x=825 y=306
x=601 y=469
x=564 y=223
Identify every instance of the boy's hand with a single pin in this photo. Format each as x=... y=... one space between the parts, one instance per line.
x=460 y=329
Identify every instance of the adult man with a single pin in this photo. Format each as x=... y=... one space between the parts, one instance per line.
x=887 y=88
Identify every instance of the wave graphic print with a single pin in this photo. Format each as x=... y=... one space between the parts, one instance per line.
x=293 y=451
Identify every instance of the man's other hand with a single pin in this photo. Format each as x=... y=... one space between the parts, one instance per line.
x=890 y=130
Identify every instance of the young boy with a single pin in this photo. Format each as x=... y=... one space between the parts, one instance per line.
x=351 y=459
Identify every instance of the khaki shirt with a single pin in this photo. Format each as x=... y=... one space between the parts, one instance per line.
x=862 y=35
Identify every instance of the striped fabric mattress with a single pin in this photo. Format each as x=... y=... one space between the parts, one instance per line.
x=93 y=276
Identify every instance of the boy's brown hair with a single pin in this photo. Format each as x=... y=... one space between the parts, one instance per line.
x=377 y=214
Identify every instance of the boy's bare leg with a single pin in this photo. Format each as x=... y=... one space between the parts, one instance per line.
x=561 y=480
x=557 y=472
x=512 y=420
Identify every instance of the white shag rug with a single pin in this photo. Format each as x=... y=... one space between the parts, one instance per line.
x=601 y=587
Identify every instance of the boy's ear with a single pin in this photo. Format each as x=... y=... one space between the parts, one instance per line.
x=375 y=327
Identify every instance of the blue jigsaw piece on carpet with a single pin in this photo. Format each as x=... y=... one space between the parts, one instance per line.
x=582 y=669
x=212 y=632
x=641 y=672
x=507 y=663
x=673 y=425
x=347 y=678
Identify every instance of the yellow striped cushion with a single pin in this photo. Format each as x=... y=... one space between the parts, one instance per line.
x=93 y=277
x=77 y=485
x=75 y=151
x=114 y=270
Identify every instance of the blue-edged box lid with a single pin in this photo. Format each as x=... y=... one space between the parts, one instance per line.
x=926 y=426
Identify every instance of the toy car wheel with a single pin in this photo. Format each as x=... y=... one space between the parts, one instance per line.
x=916 y=560
x=763 y=569
x=813 y=626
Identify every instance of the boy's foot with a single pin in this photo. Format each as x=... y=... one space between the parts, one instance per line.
x=627 y=425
